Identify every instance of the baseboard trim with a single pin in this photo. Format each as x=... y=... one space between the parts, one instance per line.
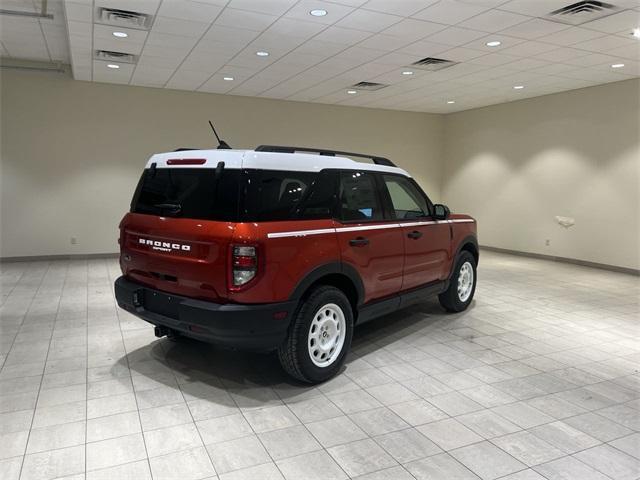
x=47 y=258
x=574 y=261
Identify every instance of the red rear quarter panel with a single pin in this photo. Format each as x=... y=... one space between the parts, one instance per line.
x=284 y=260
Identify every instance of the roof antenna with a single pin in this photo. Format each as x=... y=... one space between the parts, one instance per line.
x=222 y=145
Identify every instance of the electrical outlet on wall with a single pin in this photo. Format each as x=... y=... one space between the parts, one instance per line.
x=74 y=240
x=547 y=242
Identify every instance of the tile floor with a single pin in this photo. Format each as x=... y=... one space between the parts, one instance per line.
x=538 y=379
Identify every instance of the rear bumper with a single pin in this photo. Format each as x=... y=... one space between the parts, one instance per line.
x=250 y=327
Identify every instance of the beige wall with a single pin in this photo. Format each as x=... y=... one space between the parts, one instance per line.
x=516 y=166
x=72 y=151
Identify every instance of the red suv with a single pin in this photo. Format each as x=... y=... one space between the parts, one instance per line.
x=287 y=249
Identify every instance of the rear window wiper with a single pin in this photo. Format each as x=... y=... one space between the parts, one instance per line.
x=172 y=207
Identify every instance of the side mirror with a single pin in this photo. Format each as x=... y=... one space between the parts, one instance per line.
x=441 y=212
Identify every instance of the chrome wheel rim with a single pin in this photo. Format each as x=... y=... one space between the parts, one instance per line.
x=465 y=282
x=326 y=335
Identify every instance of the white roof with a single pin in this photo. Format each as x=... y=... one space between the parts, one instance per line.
x=237 y=159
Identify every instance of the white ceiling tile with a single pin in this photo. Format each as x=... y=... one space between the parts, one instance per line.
x=387 y=43
x=334 y=12
x=184 y=79
x=630 y=51
x=133 y=35
x=493 y=59
x=461 y=54
x=626 y=20
x=424 y=48
x=411 y=29
x=455 y=36
x=295 y=28
x=535 y=28
x=527 y=64
x=74 y=28
x=608 y=42
x=534 y=8
x=554 y=69
x=271 y=7
x=506 y=42
x=108 y=75
x=360 y=55
x=493 y=21
x=572 y=36
x=244 y=19
x=561 y=54
x=189 y=10
x=168 y=40
x=450 y=12
x=176 y=26
x=229 y=35
x=319 y=48
x=368 y=21
x=528 y=49
x=151 y=75
x=404 y=8
x=591 y=60
x=342 y=36
x=79 y=12
x=397 y=59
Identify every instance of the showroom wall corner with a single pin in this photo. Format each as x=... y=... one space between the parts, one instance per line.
x=73 y=151
x=576 y=154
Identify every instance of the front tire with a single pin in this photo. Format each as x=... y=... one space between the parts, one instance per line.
x=462 y=285
x=319 y=337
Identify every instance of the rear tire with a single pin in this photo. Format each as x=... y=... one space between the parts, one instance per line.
x=319 y=336
x=462 y=285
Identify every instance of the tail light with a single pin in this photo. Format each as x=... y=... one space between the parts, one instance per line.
x=244 y=264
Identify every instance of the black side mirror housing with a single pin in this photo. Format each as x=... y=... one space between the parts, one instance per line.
x=441 y=212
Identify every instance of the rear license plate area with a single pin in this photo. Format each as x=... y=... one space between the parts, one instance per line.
x=162 y=304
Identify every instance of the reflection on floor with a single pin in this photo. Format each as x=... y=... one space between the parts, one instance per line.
x=539 y=379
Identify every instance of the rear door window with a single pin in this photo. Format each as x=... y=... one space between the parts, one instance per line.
x=359 y=199
x=188 y=193
x=275 y=195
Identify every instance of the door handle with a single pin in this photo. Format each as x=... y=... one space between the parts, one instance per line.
x=359 y=242
x=415 y=234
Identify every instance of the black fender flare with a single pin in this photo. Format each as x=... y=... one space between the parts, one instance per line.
x=327 y=269
x=469 y=239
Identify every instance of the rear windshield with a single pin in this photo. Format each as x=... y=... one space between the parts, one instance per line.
x=250 y=195
x=188 y=193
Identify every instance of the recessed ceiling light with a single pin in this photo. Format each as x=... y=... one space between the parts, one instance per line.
x=228 y=79
x=451 y=101
x=407 y=72
x=112 y=65
x=318 y=13
x=352 y=92
x=518 y=87
x=617 y=65
x=494 y=43
x=120 y=34
x=636 y=32
x=262 y=54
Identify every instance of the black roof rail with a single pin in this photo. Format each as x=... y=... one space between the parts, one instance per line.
x=322 y=151
x=184 y=149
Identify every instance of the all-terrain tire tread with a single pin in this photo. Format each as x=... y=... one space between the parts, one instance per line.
x=287 y=352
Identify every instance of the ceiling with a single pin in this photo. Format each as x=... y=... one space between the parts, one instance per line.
x=194 y=44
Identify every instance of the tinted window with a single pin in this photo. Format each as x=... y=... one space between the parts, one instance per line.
x=188 y=193
x=322 y=197
x=358 y=197
x=272 y=195
x=406 y=199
